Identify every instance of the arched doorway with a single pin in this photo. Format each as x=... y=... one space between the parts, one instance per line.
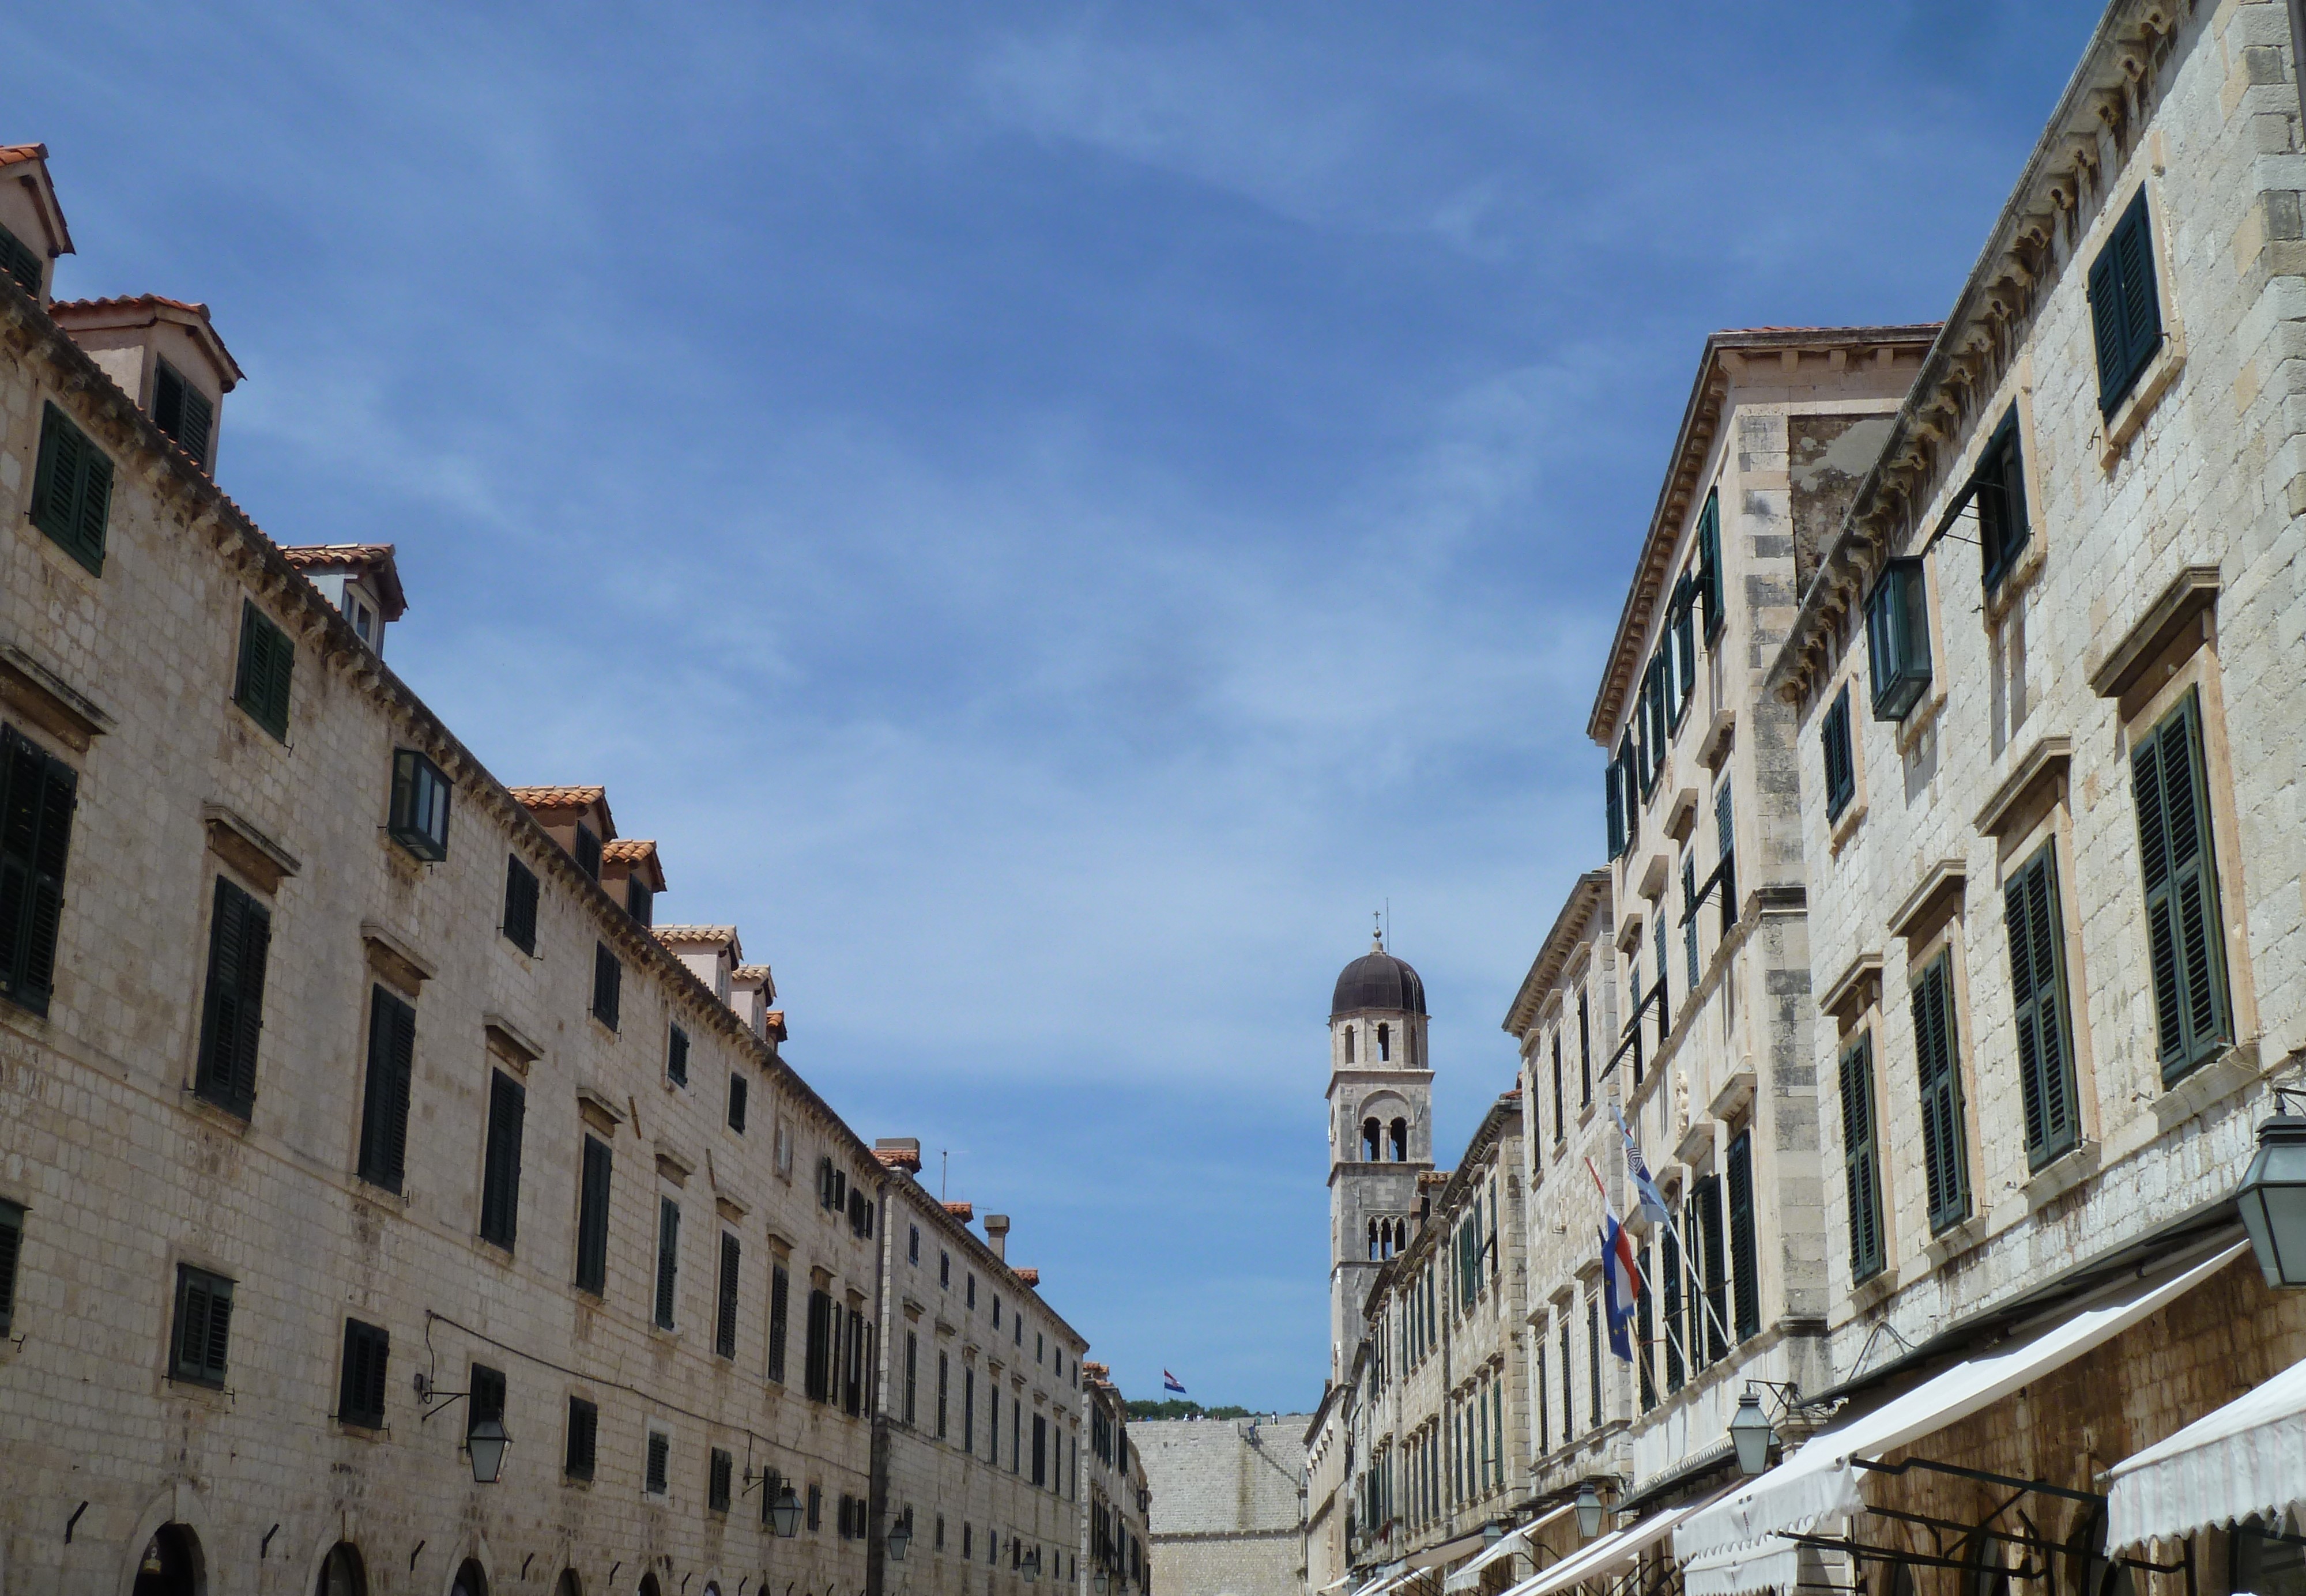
x=342 y=1573
x=649 y=1587
x=171 y=1565
x=472 y=1579
x=569 y=1584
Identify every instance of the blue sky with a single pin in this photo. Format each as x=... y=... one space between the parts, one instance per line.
x=1049 y=514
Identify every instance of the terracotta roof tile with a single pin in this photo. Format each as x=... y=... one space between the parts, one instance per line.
x=775 y=1021
x=61 y=308
x=1029 y=1276
x=962 y=1211
x=375 y=558
x=749 y=972
x=119 y=309
x=628 y=850
x=557 y=797
x=898 y=1157
x=690 y=935
x=11 y=154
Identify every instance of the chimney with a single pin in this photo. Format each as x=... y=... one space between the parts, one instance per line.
x=996 y=1234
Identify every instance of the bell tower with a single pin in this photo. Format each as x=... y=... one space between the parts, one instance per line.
x=1380 y=1132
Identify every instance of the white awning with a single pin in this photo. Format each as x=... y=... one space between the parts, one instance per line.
x=2247 y=1457
x=1611 y=1554
x=1517 y=1541
x=1735 y=1548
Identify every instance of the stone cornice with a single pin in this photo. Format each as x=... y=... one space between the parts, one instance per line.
x=2111 y=94
x=183 y=490
x=1700 y=420
x=1588 y=893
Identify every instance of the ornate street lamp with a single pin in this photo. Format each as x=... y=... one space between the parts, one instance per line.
x=1751 y=1434
x=2273 y=1195
x=1589 y=1510
x=487 y=1442
x=899 y=1538
x=785 y=1516
x=1492 y=1532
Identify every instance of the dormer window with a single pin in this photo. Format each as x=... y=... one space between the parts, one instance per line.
x=20 y=260
x=639 y=902
x=588 y=851
x=363 y=615
x=183 y=412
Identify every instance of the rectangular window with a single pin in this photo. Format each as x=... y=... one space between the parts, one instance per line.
x=71 y=490
x=588 y=851
x=183 y=412
x=1560 y=1118
x=640 y=902
x=384 y=1109
x=1898 y=638
x=1689 y=920
x=267 y=661
x=1715 y=1261
x=232 y=1009
x=668 y=1259
x=1708 y=565
x=2035 y=926
x=913 y=1376
x=1937 y=1047
x=1544 y=1418
x=520 y=905
x=584 y=1439
x=968 y=1410
x=12 y=1248
x=739 y=1089
x=1841 y=768
x=203 y=1327
x=1725 y=832
x=500 y=1178
x=815 y=1507
x=817 y=1348
x=35 y=814
x=1998 y=490
x=1613 y=802
x=607 y=984
x=945 y=1391
x=725 y=1318
x=1040 y=1450
x=1569 y=1386
x=780 y=1301
x=1585 y=1052
x=20 y=261
x=1677 y=1334
x=660 y=1464
x=1745 y=1261
x=717 y=1482
x=2125 y=308
x=2185 y=933
x=360 y=1393
x=1645 y=1328
x=1685 y=648
x=593 y=1220
x=419 y=822
x=676 y=1057
x=1594 y=1359
x=1861 y=1160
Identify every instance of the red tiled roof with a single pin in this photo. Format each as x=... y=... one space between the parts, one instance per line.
x=750 y=972
x=628 y=850
x=962 y=1211
x=557 y=797
x=898 y=1157
x=86 y=313
x=1029 y=1276
x=10 y=154
x=373 y=559
x=711 y=935
x=61 y=308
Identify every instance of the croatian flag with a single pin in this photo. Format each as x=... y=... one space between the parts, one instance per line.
x=1620 y=1282
x=1653 y=1200
x=1170 y=1382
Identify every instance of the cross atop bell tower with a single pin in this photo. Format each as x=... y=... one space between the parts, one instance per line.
x=1380 y=1131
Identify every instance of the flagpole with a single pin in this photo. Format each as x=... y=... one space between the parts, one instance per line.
x=1640 y=1277
x=1698 y=1293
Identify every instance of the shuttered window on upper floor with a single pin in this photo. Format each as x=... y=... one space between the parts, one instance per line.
x=1998 y=488
x=1708 y=565
x=724 y=1318
x=584 y=1439
x=200 y=1346
x=267 y=661
x=360 y=1387
x=519 y=926
x=2035 y=925
x=1945 y=1155
x=12 y=1249
x=668 y=1260
x=20 y=261
x=184 y=412
x=36 y=816
x=2185 y=939
x=71 y=490
x=232 y=1009
x=2125 y=305
x=593 y=1219
x=1861 y=1160
x=1745 y=1257
x=501 y=1171
x=1833 y=745
x=391 y=1072
x=607 y=984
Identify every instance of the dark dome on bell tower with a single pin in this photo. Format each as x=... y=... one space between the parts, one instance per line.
x=1378 y=980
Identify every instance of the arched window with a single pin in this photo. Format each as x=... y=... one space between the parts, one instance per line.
x=1400 y=1138
x=1373 y=1241
x=1371 y=1133
x=342 y=1573
x=171 y=1565
x=1349 y=1044
x=1400 y=1234
x=1384 y=1042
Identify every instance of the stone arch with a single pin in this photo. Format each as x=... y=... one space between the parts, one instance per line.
x=177 y=1505
x=1349 y=1044
x=170 y=1563
x=569 y=1583
x=1397 y=1140
x=1384 y=1043
x=648 y=1585
x=1372 y=1140
x=340 y=1570
x=469 y=1579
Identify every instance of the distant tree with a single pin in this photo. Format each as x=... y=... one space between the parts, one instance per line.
x=1176 y=1408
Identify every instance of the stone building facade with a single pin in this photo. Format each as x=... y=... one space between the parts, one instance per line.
x=355 y=1115
x=2047 y=681
x=1228 y=1504
x=1118 y=1497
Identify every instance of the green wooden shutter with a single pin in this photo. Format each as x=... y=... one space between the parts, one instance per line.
x=11 y=1245
x=2038 y=988
x=1614 y=806
x=1936 y=1045
x=2184 y=929
x=20 y=261
x=1708 y=565
x=1745 y=1262
x=36 y=811
x=2141 y=305
x=1725 y=831
x=240 y=938
x=724 y=1330
x=520 y=905
x=1669 y=1267
x=593 y=1220
x=500 y=1178
x=780 y=1301
x=659 y=1459
x=668 y=1258
x=72 y=489
x=1833 y=742
x=583 y=1437
x=360 y=1396
x=2106 y=330
x=200 y=419
x=391 y=1068
x=1645 y=1328
x=267 y=661
x=1715 y=1260
x=1861 y=1160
